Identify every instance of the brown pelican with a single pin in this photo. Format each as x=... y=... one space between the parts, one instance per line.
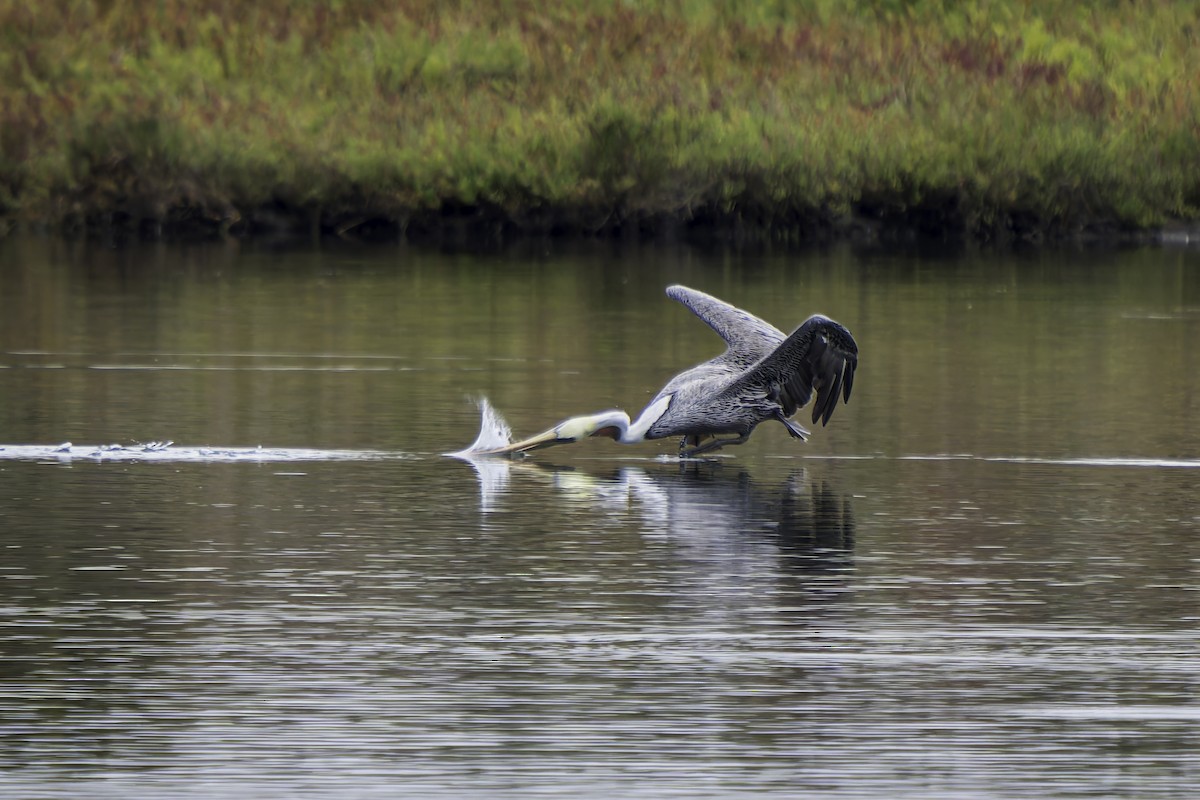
x=762 y=375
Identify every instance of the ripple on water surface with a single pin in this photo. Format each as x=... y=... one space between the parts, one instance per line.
x=638 y=631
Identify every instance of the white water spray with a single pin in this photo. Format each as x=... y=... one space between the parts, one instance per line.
x=494 y=432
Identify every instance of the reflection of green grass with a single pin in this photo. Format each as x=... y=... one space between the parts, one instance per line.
x=983 y=116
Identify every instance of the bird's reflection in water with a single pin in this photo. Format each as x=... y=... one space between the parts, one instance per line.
x=493 y=474
x=791 y=538
x=793 y=535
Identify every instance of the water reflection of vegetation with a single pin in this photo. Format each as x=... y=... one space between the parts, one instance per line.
x=1040 y=354
x=988 y=116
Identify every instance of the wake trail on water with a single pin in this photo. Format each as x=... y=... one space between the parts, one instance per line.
x=167 y=451
x=494 y=432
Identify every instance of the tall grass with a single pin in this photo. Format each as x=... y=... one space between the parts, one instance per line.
x=986 y=117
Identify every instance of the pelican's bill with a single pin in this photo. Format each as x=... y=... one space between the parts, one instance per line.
x=515 y=449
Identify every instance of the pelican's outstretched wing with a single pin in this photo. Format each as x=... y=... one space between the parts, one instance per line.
x=749 y=338
x=819 y=356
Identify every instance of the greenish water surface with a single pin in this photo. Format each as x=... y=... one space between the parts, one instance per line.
x=981 y=579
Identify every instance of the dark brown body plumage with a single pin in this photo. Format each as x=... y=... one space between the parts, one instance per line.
x=762 y=375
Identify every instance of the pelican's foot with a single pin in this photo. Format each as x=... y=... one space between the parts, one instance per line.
x=715 y=444
x=795 y=430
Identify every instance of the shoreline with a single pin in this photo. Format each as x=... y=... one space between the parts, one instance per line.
x=482 y=226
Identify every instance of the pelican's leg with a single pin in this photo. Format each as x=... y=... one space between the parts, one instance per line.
x=689 y=441
x=795 y=430
x=715 y=444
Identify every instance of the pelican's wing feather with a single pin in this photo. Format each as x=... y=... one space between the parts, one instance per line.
x=748 y=337
x=820 y=356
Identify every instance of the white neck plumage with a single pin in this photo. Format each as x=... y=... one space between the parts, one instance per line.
x=615 y=424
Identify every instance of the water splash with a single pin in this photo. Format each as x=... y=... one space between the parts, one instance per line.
x=494 y=432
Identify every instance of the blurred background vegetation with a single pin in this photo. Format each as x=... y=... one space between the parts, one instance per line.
x=985 y=117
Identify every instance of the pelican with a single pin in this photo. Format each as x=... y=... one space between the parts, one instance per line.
x=762 y=375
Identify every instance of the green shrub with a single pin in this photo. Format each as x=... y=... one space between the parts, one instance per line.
x=981 y=116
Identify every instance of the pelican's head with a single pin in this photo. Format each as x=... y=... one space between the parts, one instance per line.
x=607 y=423
x=614 y=424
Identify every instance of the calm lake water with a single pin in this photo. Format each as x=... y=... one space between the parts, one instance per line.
x=982 y=579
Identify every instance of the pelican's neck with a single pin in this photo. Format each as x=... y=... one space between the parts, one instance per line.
x=636 y=431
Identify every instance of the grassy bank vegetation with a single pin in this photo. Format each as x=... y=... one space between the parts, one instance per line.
x=989 y=117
